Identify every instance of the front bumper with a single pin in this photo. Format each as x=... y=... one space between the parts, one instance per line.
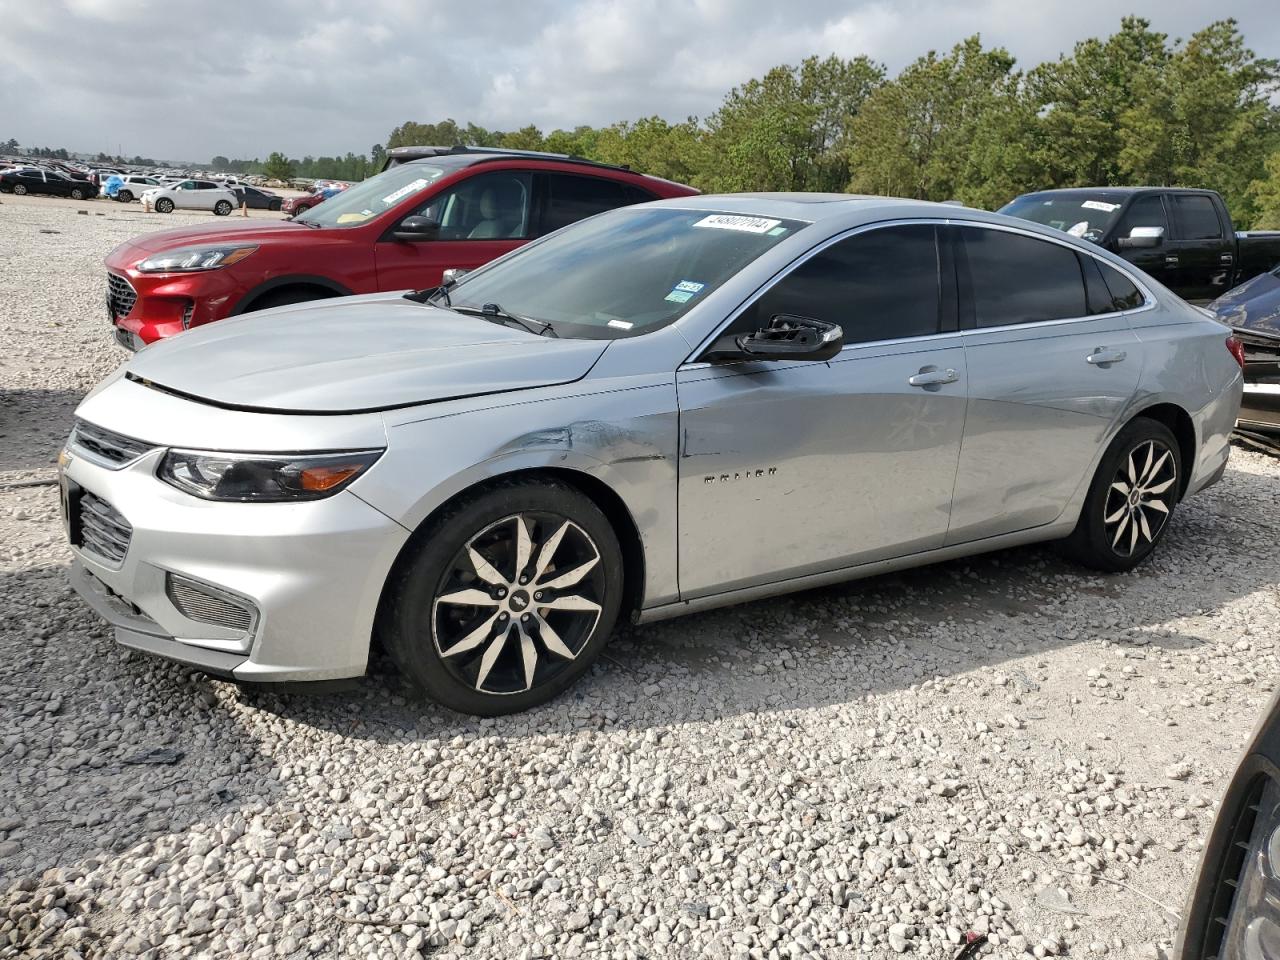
x=312 y=572
x=168 y=304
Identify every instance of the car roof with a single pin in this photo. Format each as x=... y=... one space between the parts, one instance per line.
x=815 y=207
x=1071 y=192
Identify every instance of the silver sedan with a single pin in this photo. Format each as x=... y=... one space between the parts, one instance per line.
x=662 y=409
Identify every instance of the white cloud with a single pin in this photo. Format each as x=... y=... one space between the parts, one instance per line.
x=185 y=79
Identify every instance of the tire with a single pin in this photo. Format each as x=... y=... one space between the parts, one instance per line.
x=20 y=189
x=77 y=194
x=507 y=652
x=282 y=298
x=274 y=206
x=222 y=208
x=164 y=205
x=1118 y=526
x=125 y=196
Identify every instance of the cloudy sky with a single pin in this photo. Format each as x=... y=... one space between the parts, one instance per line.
x=187 y=80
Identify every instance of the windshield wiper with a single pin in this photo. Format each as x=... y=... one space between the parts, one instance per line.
x=309 y=223
x=495 y=313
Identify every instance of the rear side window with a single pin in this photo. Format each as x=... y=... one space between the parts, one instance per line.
x=1197 y=217
x=879 y=285
x=1020 y=279
x=1109 y=290
x=570 y=199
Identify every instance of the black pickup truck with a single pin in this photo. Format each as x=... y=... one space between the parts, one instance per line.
x=1184 y=238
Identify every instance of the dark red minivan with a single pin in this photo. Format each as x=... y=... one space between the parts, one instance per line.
x=402 y=229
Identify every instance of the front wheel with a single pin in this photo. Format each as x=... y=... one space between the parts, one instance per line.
x=1131 y=499
x=20 y=189
x=77 y=194
x=509 y=599
x=125 y=196
x=222 y=208
x=164 y=205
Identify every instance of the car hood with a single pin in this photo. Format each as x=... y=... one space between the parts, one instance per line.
x=1254 y=305
x=357 y=354
x=213 y=233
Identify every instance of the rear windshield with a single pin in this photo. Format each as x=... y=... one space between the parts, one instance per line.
x=625 y=272
x=1080 y=216
x=370 y=198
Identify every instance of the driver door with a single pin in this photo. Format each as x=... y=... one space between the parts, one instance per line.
x=793 y=468
x=480 y=219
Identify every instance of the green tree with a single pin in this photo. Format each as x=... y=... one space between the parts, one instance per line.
x=677 y=151
x=782 y=131
x=947 y=127
x=526 y=138
x=377 y=157
x=1264 y=194
x=220 y=163
x=10 y=146
x=1204 y=119
x=279 y=167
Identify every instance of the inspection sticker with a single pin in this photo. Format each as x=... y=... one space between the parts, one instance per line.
x=689 y=286
x=679 y=296
x=726 y=221
x=1100 y=205
x=404 y=191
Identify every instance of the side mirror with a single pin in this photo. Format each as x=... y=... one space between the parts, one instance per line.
x=1142 y=237
x=787 y=337
x=416 y=228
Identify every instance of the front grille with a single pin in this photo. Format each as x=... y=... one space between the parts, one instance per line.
x=187 y=312
x=201 y=603
x=105 y=447
x=120 y=295
x=103 y=531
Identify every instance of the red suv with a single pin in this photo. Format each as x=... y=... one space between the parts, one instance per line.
x=450 y=209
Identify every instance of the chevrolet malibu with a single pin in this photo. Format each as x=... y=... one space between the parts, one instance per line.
x=662 y=409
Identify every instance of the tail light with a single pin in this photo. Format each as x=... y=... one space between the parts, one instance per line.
x=1236 y=349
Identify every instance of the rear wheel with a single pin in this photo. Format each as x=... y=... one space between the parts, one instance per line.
x=164 y=205
x=20 y=189
x=77 y=193
x=1131 y=499
x=510 y=598
x=222 y=208
x=125 y=196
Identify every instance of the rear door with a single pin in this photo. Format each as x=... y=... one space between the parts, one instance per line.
x=481 y=218
x=792 y=468
x=1202 y=254
x=1051 y=368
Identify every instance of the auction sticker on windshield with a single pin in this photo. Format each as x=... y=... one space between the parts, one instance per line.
x=1100 y=205
x=404 y=191
x=725 y=221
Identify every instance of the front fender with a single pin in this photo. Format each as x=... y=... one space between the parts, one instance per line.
x=624 y=438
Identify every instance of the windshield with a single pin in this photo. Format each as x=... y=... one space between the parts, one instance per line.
x=625 y=272
x=1080 y=216
x=372 y=197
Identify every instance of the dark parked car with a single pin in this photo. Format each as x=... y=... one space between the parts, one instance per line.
x=1234 y=909
x=25 y=180
x=1253 y=309
x=1183 y=238
x=258 y=199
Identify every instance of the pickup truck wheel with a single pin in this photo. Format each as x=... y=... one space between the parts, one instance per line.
x=20 y=189
x=1131 y=499
x=164 y=205
x=125 y=196
x=222 y=208
x=510 y=597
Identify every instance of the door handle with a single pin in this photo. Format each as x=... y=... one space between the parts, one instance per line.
x=1171 y=260
x=1102 y=356
x=933 y=377
x=1226 y=258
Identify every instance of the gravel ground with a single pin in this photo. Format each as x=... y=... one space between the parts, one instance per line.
x=1005 y=745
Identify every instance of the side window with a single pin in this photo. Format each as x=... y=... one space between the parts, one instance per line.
x=1197 y=217
x=1109 y=290
x=491 y=206
x=1146 y=211
x=570 y=199
x=1020 y=279
x=878 y=285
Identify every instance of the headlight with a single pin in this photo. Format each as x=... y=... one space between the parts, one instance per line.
x=1253 y=872
x=260 y=478
x=205 y=257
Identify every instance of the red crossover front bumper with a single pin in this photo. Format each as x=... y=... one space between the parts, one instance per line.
x=145 y=307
